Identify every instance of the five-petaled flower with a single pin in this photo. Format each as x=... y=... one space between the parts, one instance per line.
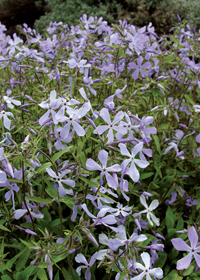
x=180 y=245
x=155 y=272
x=154 y=204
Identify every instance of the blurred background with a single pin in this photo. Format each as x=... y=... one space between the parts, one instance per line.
x=39 y=13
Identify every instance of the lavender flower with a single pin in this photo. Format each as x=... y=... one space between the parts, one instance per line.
x=154 y=204
x=146 y=271
x=103 y=158
x=87 y=264
x=181 y=245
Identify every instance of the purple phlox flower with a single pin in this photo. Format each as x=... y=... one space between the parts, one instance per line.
x=58 y=139
x=173 y=145
x=196 y=108
x=78 y=63
x=154 y=204
x=99 y=197
x=10 y=100
x=151 y=30
x=88 y=81
x=190 y=203
x=151 y=50
x=81 y=259
x=103 y=158
x=83 y=94
x=101 y=219
x=147 y=152
x=139 y=68
x=140 y=224
x=13 y=187
x=123 y=185
x=154 y=247
x=198 y=138
x=58 y=179
x=14 y=44
x=121 y=239
x=104 y=113
x=73 y=119
x=146 y=271
x=53 y=104
x=129 y=126
x=136 y=41
x=26 y=230
x=103 y=239
x=181 y=245
x=132 y=171
x=22 y=212
x=120 y=210
x=64 y=107
x=89 y=23
x=143 y=130
x=109 y=100
x=6 y=121
x=173 y=199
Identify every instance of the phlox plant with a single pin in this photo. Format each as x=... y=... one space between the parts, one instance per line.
x=99 y=153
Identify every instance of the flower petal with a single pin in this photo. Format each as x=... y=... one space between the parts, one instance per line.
x=92 y=165
x=193 y=237
x=185 y=262
x=103 y=158
x=180 y=245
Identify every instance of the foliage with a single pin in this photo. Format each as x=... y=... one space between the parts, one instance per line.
x=99 y=153
x=70 y=11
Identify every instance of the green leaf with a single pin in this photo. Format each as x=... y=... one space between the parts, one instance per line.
x=171 y=232
x=4 y=228
x=122 y=275
x=24 y=275
x=52 y=192
x=173 y=275
x=161 y=260
x=89 y=182
x=56 y=277
x=42 y=274
x=60 y=153
x=146 y=175
x=180 y=224
x=189 y=99
x=66 y=274
x=10 y=262
x=170 y=219
x=188 y=271
x=23 y=259
x=60 y=257
x=44 y=166
x=5 y=277
x=39 y=199
x=157 y=143
x=69 y=201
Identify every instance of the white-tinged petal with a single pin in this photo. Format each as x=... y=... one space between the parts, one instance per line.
x=81 y=259
x=143 y=201
x=137 y=149
x=180 y=245
x=103 y=158
x=146 y=259
x=51 y=172
x=154 y=204
x=156 y=221
x=156 y=272
x=124 y=150
x=92 y=165
x=141 y=163
x=139 y=277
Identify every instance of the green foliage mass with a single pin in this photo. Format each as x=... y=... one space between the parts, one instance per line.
x=70 y=11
